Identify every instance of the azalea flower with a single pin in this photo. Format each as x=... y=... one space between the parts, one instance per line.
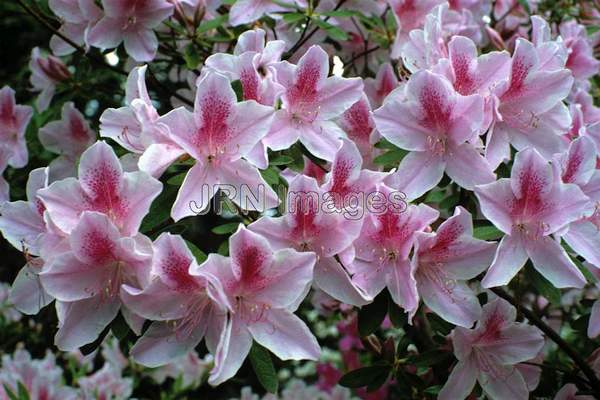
x=410 y=14
x=313 y=224
x=357 y=122
x=531 y=112
x=77 y=17
x=382 y=250
x=5 y=154
x=131 y=23
x=489 y=354
x=245 y=11
x=347 y=181
x=578 y=166
x=581 y=60
x=14 y=119
x=23 y=226
x=181 y=304
x=42 y=378
x=569 y=392
x=310 y=103
x=136 y=127
x=217 y=135
x=529 y=207
x=46 y=72
x=438 y=126
x=444 y=261
x=69 y=138
x=383 y=84
x=263 y=288
x=86 y=279
x=470 y=74
x=106 y=383
x=101 y=186
x=250 y=64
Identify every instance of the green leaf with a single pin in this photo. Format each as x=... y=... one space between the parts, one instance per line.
x=371 y=316
x=435 y=196
x=198 y=254
x=525 y=5
x=212 y=24
x=23 y=392
x=160 y=211
x=429 y=358
x=261 y=361
x=332 y=31
x=191 y=56
x=542 y=285
x=340 y=13
x=487 y=233
x=364 y=376
x=270 y=175
x=177 y=180
x=223 y=248
x=385 y=144
x=391 y=158
x=119 y=327
x=397 y=316
x=433 y=390
x=9 y=392
x=291 y=18
x=225 y=228
x=449 y=202
x=282 y=160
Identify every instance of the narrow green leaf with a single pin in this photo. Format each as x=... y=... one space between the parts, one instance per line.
x=191 y=56
x=542 y=285
x=261 y=361
x=119 y=327
x=212 y=24
x=385 y=144
x=391 y=158
x=9 y=392
x=291 y=18
x=225 y=228
x=429 y=358
x=371 y=316
x=281 y=160
x=397 y=316
x=340 y=13
x=23 y=392
x=270 y=175
x=177 y=180
x=332 y=31
x=487 y=233
x=199 y=254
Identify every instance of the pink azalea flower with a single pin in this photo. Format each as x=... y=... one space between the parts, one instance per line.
x=86 y=280
x=77 y=17
x=102 y=186
x=444 y=261
x=410 y=14
x=181 y=304
x=8 y=312
x=23 y=226
x=133 y=23
x=45 y=74
x=489 y=354
x=581 y=60
x=357 y=122
x=438 y=126
x=471 y=74
x=189 y=369
x=347 y=181
x=42 y=378
x=136 y=127
x=310 y=103
x=250 y=64
x=263 y=287
x=594 y=324
x=569 y=392
x=529 y=207
x=578 y=166
x=246 y=11
x=218 y=134
x=69 y=138
x=5 y=155
x=106 y=383
x=531 y=112
x=383 y=84
x=313 y=224
x=383 y=247
x=14 y=119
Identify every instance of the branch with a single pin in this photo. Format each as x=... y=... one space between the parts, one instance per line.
x=94 y=58
x=306 y=38
x=555 y=337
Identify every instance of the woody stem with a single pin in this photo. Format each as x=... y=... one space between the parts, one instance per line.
x=555 y=337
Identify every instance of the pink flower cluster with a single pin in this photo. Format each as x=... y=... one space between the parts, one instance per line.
x=461 y=114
